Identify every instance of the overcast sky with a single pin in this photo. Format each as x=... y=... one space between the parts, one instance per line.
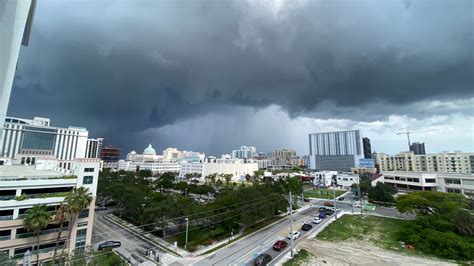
x=214 y=75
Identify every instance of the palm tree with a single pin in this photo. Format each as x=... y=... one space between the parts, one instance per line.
x=37 y=218
x=76 y=201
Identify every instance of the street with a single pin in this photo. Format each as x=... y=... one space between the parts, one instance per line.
x=132 y=246
x=246 y=250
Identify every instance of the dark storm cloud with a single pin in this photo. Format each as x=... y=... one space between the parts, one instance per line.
x=120 y=67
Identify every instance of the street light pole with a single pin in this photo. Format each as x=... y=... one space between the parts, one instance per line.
x=187 y=226
x=334 y=195
x=291 y=225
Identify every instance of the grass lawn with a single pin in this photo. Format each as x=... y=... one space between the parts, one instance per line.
x=300 y=258
x=323 y=193
x=377 y=230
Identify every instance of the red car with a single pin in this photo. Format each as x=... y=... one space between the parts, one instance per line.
x=280 y=245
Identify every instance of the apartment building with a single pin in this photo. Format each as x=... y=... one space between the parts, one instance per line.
x=22 y=187
x=445 y=162
x=461 y=183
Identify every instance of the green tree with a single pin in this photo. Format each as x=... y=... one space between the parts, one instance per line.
x=145 y=173
x=37 y=218
x=78 y=199
x=382 y=193
x=5 y=260
x=181 y=186
x=227 y=178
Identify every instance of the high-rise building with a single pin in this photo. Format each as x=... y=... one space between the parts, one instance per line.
x=16 y=18
x=26 y=139
x=94 y=147
x=283 y=154
x=337 y=151
x=110 y=154
x=45 y=183
x=245 y=152
x=367 y=148
x=443 y=162
x=418 y=148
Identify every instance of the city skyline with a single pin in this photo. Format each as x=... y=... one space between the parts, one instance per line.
x=253 y=78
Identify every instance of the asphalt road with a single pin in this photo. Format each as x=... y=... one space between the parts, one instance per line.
x=104 y=230
x=246 y=250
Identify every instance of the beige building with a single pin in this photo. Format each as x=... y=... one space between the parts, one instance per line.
x=445 y=162
x=238 y=168
x=461 y=183
x=22 y=187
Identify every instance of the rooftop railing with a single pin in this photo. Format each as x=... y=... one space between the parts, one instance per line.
x=18 y=178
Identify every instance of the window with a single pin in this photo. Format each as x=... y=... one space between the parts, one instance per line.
x=84 y=214
x=87 y=180
x=452 y=181
x=430 y=180
x=453 y=190
x=81 y=234
x=88 y=170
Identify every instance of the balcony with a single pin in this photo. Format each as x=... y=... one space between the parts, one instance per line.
x=20 y=178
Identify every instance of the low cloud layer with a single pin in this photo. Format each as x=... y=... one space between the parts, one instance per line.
x=122 y=68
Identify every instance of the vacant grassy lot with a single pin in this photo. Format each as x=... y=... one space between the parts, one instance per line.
x=302 y=257
x=322 y=193
x=377 y=230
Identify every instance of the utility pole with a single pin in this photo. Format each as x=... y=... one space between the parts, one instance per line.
x=334 y=195
x=360 y=197
x=352 y=202
x=291 y=226
x=187 y=227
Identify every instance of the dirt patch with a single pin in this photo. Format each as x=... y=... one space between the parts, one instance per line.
x=359 y=253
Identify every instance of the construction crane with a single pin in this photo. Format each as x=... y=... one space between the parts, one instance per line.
x=415 y=131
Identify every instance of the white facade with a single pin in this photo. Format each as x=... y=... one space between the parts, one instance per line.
x=190 y=168
x=25 y=139
x=347 y=179
x=45 y=183
x=238 y=168
x=13 y=18
x=245 y=152
x=445 y=162
x=93 y=147
x=170 y=161
x=461 y=183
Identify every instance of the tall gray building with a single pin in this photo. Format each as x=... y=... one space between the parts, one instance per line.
x=418 y=148
x=337 y=151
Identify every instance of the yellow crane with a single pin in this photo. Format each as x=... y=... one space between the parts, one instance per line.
x=415 y=131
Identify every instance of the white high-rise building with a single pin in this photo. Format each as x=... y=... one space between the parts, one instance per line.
x=337 y=151
x=245 y=152
x=15 y=24
x=93 y=148
x=26 y=139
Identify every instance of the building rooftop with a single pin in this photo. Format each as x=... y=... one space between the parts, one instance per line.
x=27 y=172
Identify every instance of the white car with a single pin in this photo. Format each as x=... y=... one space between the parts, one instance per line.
x=317 y=220
x=294 y=235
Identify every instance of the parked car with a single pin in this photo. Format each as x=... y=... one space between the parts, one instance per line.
x=100 y=208
x=317 y=220
x=306 y=199
x=262 y=259
x=306 y=227
x=109 y=244
x=280 y=245
x=322 y=215
x=329 y=203
x=294 y=235
x=341 y=198
x=321 y=209
x=329 y=211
